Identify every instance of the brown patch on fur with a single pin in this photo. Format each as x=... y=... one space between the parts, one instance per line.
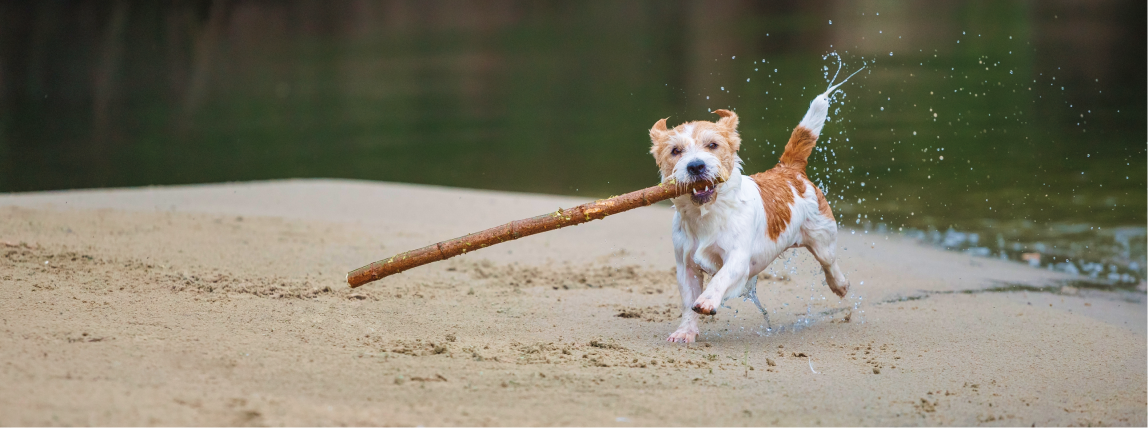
x=723 y=132
x=798 y=149
x=777 y=184
x=776 y=187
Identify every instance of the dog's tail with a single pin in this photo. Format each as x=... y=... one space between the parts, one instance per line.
x=804 y=136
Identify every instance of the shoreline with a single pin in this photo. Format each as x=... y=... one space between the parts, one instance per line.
x=171 y=198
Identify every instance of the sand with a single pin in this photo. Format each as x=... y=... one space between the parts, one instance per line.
x=225 y=305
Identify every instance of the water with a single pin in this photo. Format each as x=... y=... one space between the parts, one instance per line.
x=1000 y=119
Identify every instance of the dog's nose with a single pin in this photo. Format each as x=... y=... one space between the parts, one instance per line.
x=696 y=167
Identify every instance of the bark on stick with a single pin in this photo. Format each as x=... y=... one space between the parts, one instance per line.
x=517 y=229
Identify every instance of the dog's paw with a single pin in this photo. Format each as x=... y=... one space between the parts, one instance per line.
x=840 y=289
x=683 y=335
x=705 y=307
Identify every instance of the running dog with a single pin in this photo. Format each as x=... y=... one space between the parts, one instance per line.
x=735 y=228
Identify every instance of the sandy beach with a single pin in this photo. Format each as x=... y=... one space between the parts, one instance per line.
x=226 y=304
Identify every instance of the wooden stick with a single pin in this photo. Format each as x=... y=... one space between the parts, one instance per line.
x=517 y=229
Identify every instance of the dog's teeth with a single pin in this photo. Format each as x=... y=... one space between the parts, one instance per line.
x=707 y=188
x=695 y=191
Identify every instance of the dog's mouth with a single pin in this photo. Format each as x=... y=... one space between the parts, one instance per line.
x=704 y=195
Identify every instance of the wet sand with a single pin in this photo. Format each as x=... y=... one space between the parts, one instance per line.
x=225 y=305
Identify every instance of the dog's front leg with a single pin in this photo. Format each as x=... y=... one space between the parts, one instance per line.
x=690 y=286
x=733 y=272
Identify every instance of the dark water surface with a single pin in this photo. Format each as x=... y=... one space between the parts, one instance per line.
x=995 y=127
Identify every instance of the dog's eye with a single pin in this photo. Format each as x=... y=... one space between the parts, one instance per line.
x=711 y=146
x=675 y=151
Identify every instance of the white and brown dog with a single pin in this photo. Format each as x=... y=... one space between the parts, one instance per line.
x=735 y=229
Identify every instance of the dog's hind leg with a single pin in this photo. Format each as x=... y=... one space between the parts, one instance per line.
x=826 y=254
x=819 y=234
x=821 y=240
x=824 y=249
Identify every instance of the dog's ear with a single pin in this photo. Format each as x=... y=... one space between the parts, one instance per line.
x=658 y=132
x=728 y=119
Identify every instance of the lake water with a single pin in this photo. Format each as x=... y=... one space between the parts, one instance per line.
x=997 y=128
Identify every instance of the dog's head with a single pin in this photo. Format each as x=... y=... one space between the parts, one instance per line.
x=698 y=151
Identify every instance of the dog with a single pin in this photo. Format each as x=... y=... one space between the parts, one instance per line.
x=735 y=228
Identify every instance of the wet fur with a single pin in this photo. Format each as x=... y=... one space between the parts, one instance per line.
x=750 y=220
